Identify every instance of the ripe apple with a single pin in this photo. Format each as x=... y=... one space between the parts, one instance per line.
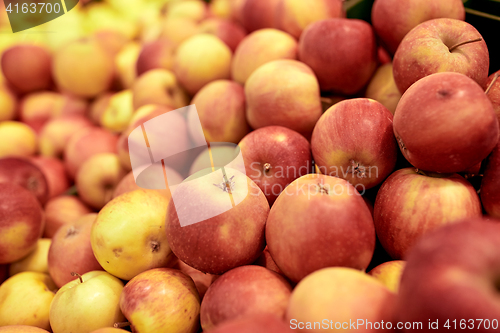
x=111 y=40
x=21 y=138
x=178 y=29
x=231 y=33
x=274 y=157
x=393 y=19
x=459 y=264
x=493 y=92
x=260 y=47
x=341 y=52
x=201 y=59
x=128 y=184
x=283 y=93
x=125 y=64
x=25 y=299
x=62 y=210
x=354 y=140
x=389 y=273
x=251 y=324
x=27 y=67
x=441 y=45
x=411 y=202
x=339 y=295
x=201 y=280
x=21 y=329
x=116 y=112
x=216 y=244
x=54 y=172
x=160 y=87
x=221 y=110
x=220 y=9
x=244 y=291
x=8 y=103
x=179 y=305
x=258 y=14
x=383 y=89
x=265 y=260
x=319 y=221
x=36 y=261
x=445 y=123
x=490 y=194
x=195 y=10
x=155 y=54
x=87 y=303
x=125 y=247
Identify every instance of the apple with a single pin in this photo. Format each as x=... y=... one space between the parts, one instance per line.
x=8 y=103
x=400 y=219
x=36 y=261
x=393 y=19
x=155 y=54
x=251 y=324
x=244 y=291
x=86 y=143
x=25 y=299
x=341 y=52
x=201 y=59
x=258 y=14
x=21 y=329
x=221 y=110
x=55 y=173
x=71 y=251
x=490 y=195
x=336 y=297
x=389 y=273
x=283 y=93
x=453 y=99
x=128 y=184
x=220 y=154
x=195 y=10
x=55 y=134
x=493 y=92
x=383 y=89
x=201 y=280
x=179 y=305
x=125 y=64
x=265 y=260
x=220 y=9
x=22 y=172
x=274 y=157
x=459 y=264
x=27 y=67
x=441 y=45
x=125 y=247
x=62 y=210
x=160 y=87
x=75 y=74
x=354 y=140
x=21 y=138
x=178 y=29
x=87 y=303
x=231 y=33
x=225 y=205
x=116 y=112
x=111 y=40
x=21 y=224
x=293 y=16
x=319 y=221
x=260 y=47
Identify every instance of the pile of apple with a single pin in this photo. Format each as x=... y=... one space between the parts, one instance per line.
x=372 y=169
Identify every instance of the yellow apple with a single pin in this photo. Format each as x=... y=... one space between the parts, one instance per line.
x=389 y=273
x=22 y=329
x=382 y=88
x=36 y=261
x=118 y=112
x=22 y=140
x=125 y=62
x=8 y=103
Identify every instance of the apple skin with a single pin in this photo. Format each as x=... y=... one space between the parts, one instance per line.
x=116 y=111
x=389 y=273
x=494 y=92
x=258 y=14
x=21 y=329
x=244 y=291
x=8 y=103
x=71 y=251
x=339 y=294
x=109 y=330
x=155 y=54
x=179 y=305
x=195 y=10
x=221 y=110
x=22 y=172
x=354 y=140
x=302 y=236
x=393 y=19
x=270 y=153
x=201 y=280
x=490 y=184
x=218 y=244
x=160 y=87
x=400 y=219
x=27 y=68
x=341 y=52
x=260 y=47
x=62 y=210
x=22 y=139
x=265 y=260
x=128 y=184
x=383 y=89
x=471 y=130
x=459 y=264
x=126 y=63
x=54 y=172
x=81 y=307
x=251 y=324
x=283 y=93
x=25 y=299
x=231 y=33
x=178 y=29
x=425 y=50
x=36 y=261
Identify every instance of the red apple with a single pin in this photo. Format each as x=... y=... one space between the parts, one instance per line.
x=354 y=140
x=244 y=291
x=160 y=87
x=62 y=210
x=201 y=280
x=445 y=123
x=410 y=203
x=231 y=33
x=70 y=251
x=341 y=52
x=21 y=222
x=490 y=184
x=251 y=324
x=55 y=174
x=258 y=14
x=319 y=221
x=22 y=172
x=459 y=264
x=156 y=54
x=274 y=157
x=441 y=45
x=265 y=260
x=493 y=92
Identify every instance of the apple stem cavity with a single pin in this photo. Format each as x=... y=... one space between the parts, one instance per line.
x=495 y=77
x=322 y=189
x=466 y=42
x=79 y=276
x=155 y=246
x=121 y=324
x=357 y=168
x=267 y=167
x=227 y=185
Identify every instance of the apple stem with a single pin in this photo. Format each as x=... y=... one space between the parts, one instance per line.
x=267 y=167
x=492 y=82
x=466 y=42
x=121 y=324
x=79 y=276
